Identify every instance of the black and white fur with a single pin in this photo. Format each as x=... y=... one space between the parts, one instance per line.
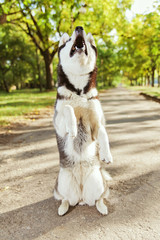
x=79 y=123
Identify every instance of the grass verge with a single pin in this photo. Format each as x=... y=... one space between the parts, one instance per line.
x=22 y=102
x=151 y=91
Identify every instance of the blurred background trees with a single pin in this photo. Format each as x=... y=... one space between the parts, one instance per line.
x=140 y=49
x=128 y=49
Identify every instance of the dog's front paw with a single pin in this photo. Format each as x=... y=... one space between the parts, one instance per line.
x=106 y=157
x=73 y=130
x=71 y=121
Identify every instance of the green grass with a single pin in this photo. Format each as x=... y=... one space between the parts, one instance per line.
x=22 y=102
x=152 y=91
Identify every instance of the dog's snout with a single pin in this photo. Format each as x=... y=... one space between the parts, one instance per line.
x=79 y=29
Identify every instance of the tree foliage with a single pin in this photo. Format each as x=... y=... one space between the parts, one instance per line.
x=17 y=59
x=139 y=50
x=30 y=31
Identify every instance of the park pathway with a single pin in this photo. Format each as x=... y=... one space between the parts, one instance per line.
x=29 y=166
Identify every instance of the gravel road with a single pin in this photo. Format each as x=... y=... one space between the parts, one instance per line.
x=29 y=166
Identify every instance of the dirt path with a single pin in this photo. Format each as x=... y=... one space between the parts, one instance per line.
x=29 y=166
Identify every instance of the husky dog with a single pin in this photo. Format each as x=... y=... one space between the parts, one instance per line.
x=79 y=123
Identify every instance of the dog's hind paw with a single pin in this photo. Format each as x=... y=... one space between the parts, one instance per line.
x=101 y=207
x=63 y=208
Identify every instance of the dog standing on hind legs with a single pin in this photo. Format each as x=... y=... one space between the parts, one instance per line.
x=79 y=123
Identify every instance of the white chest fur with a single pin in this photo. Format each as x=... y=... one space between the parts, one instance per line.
x=78 y=81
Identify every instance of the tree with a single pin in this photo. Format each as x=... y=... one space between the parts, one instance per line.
x=44 y=21
x=18 y=63
x=108 y=67
x=34 y=19
x=152 y=31
x=140 y=47
x=41 y=21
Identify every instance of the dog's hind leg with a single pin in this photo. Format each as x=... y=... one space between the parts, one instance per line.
x=101 y=207
x=95 y=190
x=63 y=208
x=93 y=187
x=68 y=190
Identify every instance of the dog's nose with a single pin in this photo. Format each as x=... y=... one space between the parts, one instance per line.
x=79 y=29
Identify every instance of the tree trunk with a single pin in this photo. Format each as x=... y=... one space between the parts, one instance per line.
x=136 y=82
x=49 y=70
x=5 y=84
x=109 y=82
x=39 y=71
x=158 y=77
x=148 y=80
x=17 y=86
x=104 y=81
x=142 y=80
x=153 y=70
x=158 y=80
x=145 y=80
x=131 y=82
x=39 y=79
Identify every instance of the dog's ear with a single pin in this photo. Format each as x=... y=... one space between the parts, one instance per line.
x=90 y=39
x=64 y=39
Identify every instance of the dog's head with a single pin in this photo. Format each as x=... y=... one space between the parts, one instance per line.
x=78 y=53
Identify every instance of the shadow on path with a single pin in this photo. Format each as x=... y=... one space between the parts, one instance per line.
x=32 y=221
